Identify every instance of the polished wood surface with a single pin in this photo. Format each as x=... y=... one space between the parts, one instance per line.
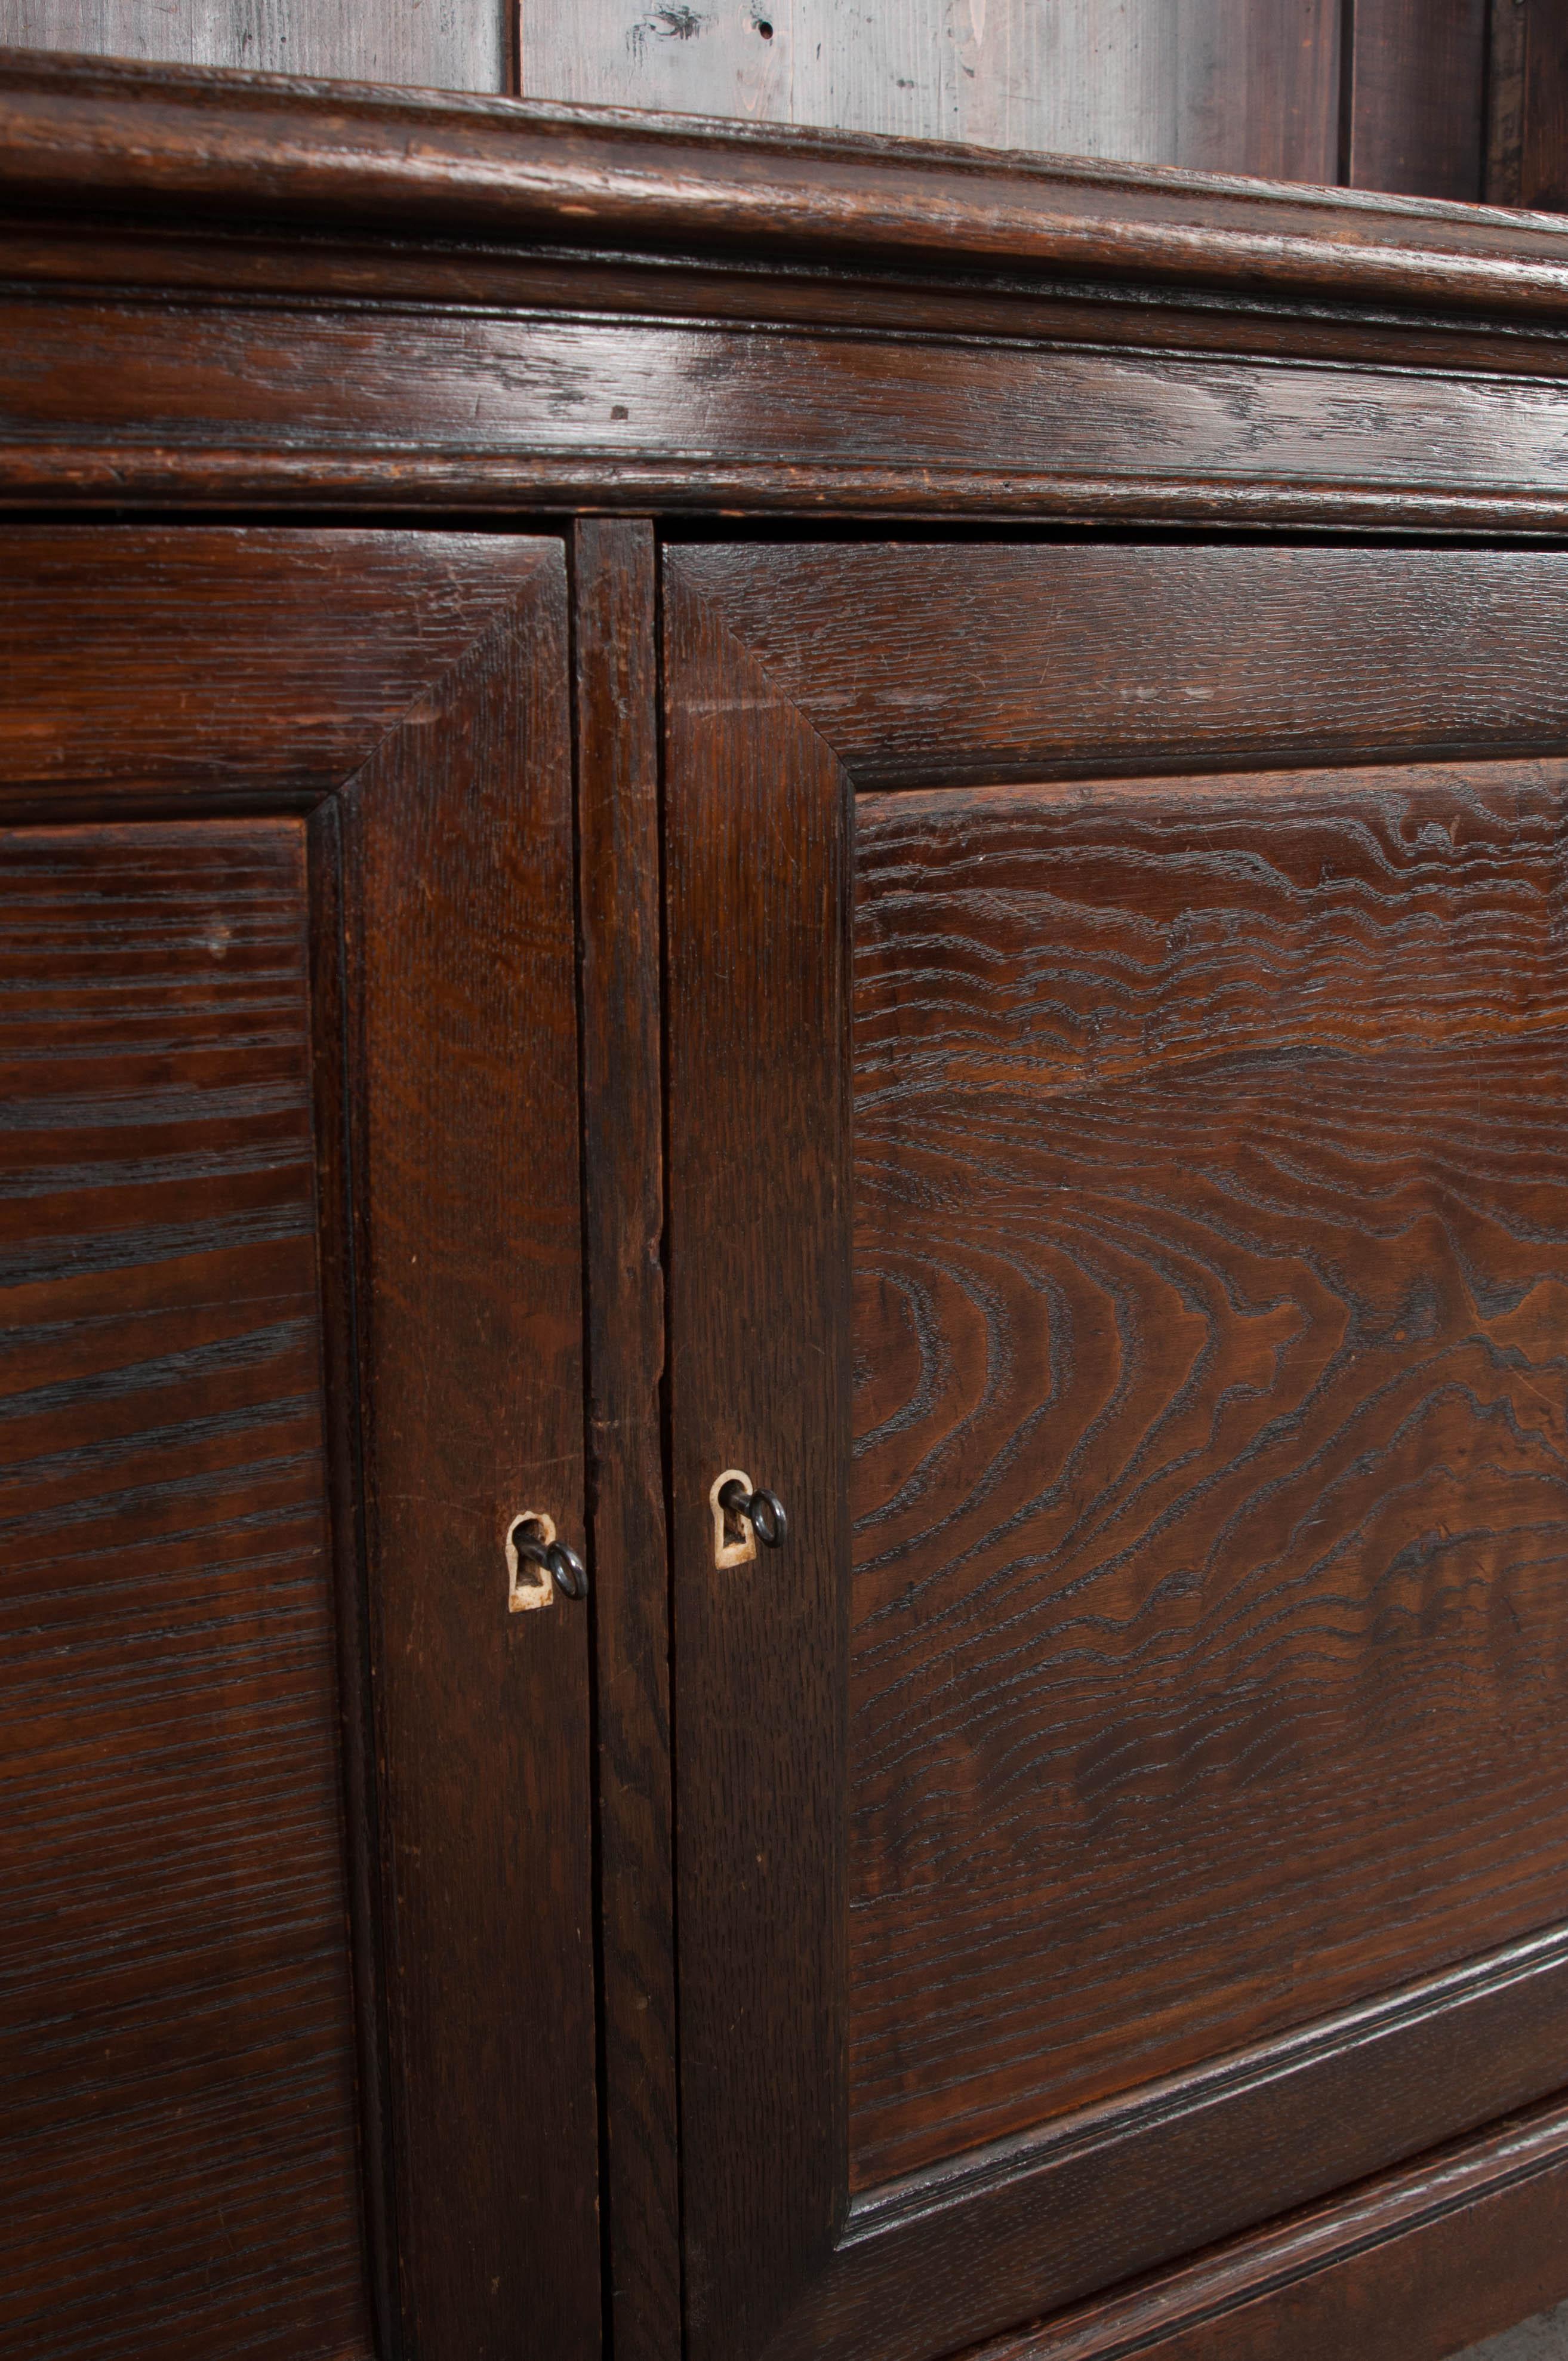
x=212 y=668
x=515 y=317
x=178 y=2167
x=1174 y=656
x=462 y=1215
x=233 y=298
x=998 y=1400
x=759 y=1379
x=1207 y=1317
x=491 y=410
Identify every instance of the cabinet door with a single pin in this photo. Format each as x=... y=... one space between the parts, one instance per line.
x=1118 y=1075
x=296 y=2030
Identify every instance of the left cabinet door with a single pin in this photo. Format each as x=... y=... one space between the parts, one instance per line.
x=296 y=1974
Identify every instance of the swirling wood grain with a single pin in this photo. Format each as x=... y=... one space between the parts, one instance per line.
x=1211 y=1475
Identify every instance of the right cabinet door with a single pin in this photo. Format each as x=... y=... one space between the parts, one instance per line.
x=1118 y=1072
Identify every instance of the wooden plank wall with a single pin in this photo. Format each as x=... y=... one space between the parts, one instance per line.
x=443 y=44
x=1444 y=98
x=1249 y=85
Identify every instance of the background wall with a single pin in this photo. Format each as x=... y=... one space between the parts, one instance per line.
x=1445 y=98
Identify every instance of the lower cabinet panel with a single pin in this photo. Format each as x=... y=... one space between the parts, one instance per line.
x=178 y=2141
x=1124 y=1219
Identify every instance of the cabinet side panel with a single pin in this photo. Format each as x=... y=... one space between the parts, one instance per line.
x=177 y=2160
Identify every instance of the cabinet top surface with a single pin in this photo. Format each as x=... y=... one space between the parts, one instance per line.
x=79 y=135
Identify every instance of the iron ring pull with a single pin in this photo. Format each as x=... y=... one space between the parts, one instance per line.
x=564 y=1566
x=764 y=1511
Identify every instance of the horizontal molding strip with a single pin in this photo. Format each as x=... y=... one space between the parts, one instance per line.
x=146 y=401
x=117 y=476
x=1177 y=2097
x=79 y=134
x=1023 y=2227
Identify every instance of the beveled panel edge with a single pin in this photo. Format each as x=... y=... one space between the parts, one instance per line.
x=95 y=478
x=892 y=2203
x=77 y=132
x=954 y=2259
x=1304 y=2254
x=47 y=778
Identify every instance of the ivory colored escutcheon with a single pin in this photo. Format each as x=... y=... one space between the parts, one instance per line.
x=725 y=1551
x=528 y=1585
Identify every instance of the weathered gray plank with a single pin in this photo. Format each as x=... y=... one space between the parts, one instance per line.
x=1238 y=85
x=443 y=44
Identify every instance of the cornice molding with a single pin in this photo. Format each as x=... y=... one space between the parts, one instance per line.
x=80 y=134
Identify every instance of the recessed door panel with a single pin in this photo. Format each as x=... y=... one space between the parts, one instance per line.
x=1211 y=1274
x=178 y=2003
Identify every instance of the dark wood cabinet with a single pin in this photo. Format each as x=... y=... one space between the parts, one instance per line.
x=682 y=804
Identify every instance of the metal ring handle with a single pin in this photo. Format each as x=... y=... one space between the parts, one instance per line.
x=564 y=1566
x=571 y=1575
x=762 y=1511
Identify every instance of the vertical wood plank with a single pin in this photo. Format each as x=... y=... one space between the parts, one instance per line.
x=1417 y=97
x=457 y=867
x=1543 y=145
x=1505 y=102
x=1256 y=87
x=333 y=1089
x=177 y=2169
x=437 y=44
x=1237 y=85
x=757 y=858
x=619 y=868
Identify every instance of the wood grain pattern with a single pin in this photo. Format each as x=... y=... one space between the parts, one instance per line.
x=1416 y=103
x=1456 y=2246
x=178 y=2155
x=496 y=410
x=439 y=43
x=1543 y=130
x=1223 y=85
x=1209 y=1327
x=1153 y=655
x=214 y=668
x=415 y=689
x=616 y=643
x=465 y=1213
x=759 y=1213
